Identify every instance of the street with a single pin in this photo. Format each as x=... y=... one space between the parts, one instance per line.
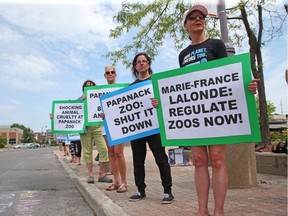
x=33 y=182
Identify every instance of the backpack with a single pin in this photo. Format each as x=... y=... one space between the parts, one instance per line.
x=280 y=147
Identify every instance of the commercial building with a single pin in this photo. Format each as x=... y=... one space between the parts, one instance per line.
x=278 y=122
x=13 y=135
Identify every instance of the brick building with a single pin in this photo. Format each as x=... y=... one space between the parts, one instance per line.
x=13 y=135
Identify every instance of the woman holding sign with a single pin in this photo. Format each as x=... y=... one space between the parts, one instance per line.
x=203 y=49
x=142 y=71
x=116 y=153
x=208 y=50
x=94 y=134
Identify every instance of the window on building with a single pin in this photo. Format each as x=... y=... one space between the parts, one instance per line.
x=12 y=141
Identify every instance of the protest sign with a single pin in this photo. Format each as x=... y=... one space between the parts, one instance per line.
x=68 y=116
x=129 y=113
x=93 y=107
x=73 y=137
x=61 y=137
x=207 y=104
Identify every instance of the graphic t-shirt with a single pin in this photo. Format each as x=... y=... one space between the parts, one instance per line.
x=208 y=50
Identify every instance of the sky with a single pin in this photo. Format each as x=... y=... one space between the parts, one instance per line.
x=48 y=48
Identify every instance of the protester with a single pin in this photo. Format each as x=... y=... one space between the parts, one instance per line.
x=94 y=133
x=142 y=71
x=67 y=154
x=116 y=153
x=64 y=144
x=77 y=150
x=72 y=152
x=203 y=49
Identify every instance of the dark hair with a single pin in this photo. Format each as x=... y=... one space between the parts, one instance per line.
x=134 y=71
x=85 y=84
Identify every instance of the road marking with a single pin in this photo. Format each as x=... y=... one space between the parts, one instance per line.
x=19 y=164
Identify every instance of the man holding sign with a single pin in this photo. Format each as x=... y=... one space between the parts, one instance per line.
x=201 y=50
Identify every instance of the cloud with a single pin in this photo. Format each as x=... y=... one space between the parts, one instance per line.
x=24 y=72
x=11 y=106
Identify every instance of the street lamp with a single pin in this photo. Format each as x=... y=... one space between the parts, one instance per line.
x=247 y=162
x=43 y=135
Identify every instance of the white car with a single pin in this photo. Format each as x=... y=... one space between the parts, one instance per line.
x=16 y=146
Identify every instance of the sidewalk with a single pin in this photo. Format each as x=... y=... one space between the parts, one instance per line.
x=268 y=198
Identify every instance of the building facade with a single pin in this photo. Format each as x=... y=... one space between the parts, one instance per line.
x=278 y=122
x=44 y=136
x=12 y=135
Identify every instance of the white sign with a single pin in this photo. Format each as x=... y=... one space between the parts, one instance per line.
x=207 y=103
x=73 y=137
x=93 y=107
x=129 y=113
x=68 y=116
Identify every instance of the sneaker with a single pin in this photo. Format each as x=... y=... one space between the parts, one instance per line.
x=137 y=196
x=167 y=199
x=90 y=180
x=105 y=179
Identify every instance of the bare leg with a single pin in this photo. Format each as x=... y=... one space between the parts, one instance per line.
x=102 y=170
x=79 y=160
x=120 y=161
x=202 y=179
x=114 y=165
x=90 y=169
x=217 y=156
x=113 y=162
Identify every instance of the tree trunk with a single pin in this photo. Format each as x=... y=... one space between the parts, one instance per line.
x=257 y=71
x=264 y=123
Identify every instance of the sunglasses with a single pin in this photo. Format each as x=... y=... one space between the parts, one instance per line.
x=194 y=17
x=110 y=72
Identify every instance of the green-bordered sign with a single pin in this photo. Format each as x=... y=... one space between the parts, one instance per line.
x=207 y=104
x=93 y=107
x=68 y=117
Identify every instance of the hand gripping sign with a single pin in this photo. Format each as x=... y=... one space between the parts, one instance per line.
x=129 y=113
x=93 y=107
x=207 y=104
x=68 y=116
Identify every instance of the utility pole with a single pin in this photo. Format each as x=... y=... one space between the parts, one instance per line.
x=221 y=10
x=241 y=159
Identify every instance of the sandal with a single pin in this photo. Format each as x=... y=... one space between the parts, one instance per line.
x=122 y=188
x=108 y=173
x=112 y=187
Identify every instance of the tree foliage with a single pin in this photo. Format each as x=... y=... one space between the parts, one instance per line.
x=270 y=107
x=155 y=21
x=3 y=142
x=28 y=134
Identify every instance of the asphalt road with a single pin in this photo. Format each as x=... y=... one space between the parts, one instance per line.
x=33 y=182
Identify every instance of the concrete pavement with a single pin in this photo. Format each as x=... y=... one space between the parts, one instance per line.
x=268 y=198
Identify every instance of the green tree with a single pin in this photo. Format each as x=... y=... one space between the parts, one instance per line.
x=3 y=142
x=270 y=107
x=159 y=20
x=28 y=134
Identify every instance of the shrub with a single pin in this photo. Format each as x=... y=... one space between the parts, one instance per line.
x=277 y=136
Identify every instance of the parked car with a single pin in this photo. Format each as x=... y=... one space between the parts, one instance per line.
x=37 y=145
x=24 y=145
x=16 y=146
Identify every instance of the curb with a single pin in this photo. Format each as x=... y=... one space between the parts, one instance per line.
x=101 y=204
